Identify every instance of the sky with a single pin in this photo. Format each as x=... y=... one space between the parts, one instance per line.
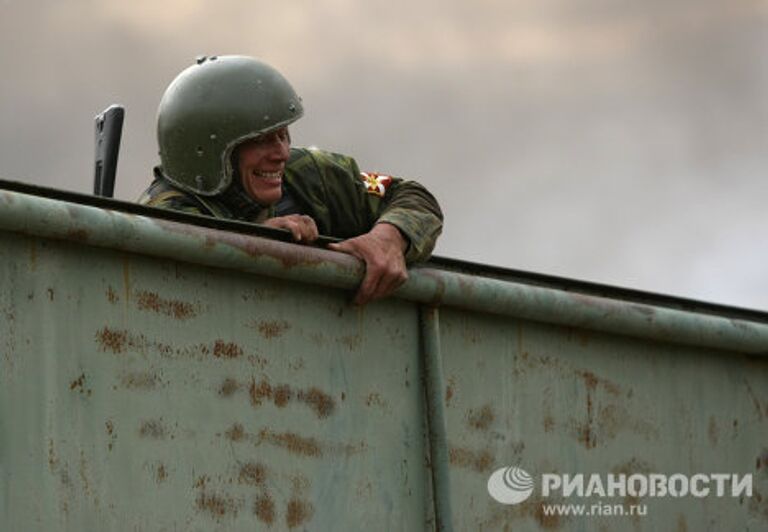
x=619 y=142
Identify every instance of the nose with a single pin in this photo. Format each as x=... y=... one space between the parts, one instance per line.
x=280 y=148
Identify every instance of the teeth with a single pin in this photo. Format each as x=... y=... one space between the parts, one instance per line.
x=269 y=175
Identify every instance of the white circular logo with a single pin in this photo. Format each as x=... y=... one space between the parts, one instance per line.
x=510 y=485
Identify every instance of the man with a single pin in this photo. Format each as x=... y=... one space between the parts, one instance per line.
x=225 y=152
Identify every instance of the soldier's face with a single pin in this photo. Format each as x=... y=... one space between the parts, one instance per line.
x=261 y=163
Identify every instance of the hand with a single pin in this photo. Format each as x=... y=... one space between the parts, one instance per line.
x=382 y=249
x=301 y=226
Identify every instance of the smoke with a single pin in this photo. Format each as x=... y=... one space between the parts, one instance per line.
x=620 y=142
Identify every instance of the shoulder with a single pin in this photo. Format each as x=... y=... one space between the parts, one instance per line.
x=163 y=194
x=321 y=161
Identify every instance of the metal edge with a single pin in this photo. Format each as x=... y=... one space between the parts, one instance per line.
x=53 y=218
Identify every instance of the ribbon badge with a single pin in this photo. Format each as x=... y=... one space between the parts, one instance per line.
x=376 y=183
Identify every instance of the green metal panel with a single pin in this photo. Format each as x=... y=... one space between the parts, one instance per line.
x=161 y=376
x=150 y=395
x=563 y=400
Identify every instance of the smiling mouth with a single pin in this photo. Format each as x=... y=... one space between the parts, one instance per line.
x=268 y=175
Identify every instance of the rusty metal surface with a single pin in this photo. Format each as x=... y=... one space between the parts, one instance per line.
x=157 y=376
x=565 y=400
x=139 y=394
x=48 y=218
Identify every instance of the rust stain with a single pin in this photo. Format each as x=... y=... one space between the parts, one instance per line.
x=450 y=390
x=79 y=385
x=264 y=509
x=272 y=329
x=479 y=461
x=581 y=336
x=53 y=459
x=153 y=428
x=481 y=419
x=282 y=395
x=682 y=526
x=222 y=349
x=712 y=431
x=299 y=484
x=252 y=474
x=110 y=427
x=375 y=399
x=140 y=380
x=586 y=435
x=259 y=392
x=322 y=403
x=352 y=342
x=228 y=387
x=201 y=482
x=593 y=381
x=586 y=431
x=112 y=296
x=236 y=432
x=549 y=423
x=292 y=442
x=296 y=365
x=151 y=301
x=758 y=505
x=112 y=340
x=83 y=470
x=762 y=460
x=298 y=512
x=161 y=475
x=217 y=505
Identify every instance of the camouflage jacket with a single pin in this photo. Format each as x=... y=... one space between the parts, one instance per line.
x=343 y=201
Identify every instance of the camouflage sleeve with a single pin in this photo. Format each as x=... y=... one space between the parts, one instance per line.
x=362 y=199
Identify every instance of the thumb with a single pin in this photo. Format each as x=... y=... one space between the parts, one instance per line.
x=347 y=247
x=344 y=247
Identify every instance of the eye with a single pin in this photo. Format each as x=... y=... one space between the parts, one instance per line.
x=282 y=135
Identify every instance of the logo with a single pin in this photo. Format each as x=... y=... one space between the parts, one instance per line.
x=510 y=485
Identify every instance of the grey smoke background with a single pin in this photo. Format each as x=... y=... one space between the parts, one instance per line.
x=622 y=142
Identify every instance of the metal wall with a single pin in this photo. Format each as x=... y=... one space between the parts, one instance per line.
x=144 y=388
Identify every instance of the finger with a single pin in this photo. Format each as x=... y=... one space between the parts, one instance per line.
x=345 y=247
x=295 y=230
x=309 y=228
x=367 y=288
x=390 y=282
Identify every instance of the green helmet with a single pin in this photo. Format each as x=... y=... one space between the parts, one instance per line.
x=213 y=106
